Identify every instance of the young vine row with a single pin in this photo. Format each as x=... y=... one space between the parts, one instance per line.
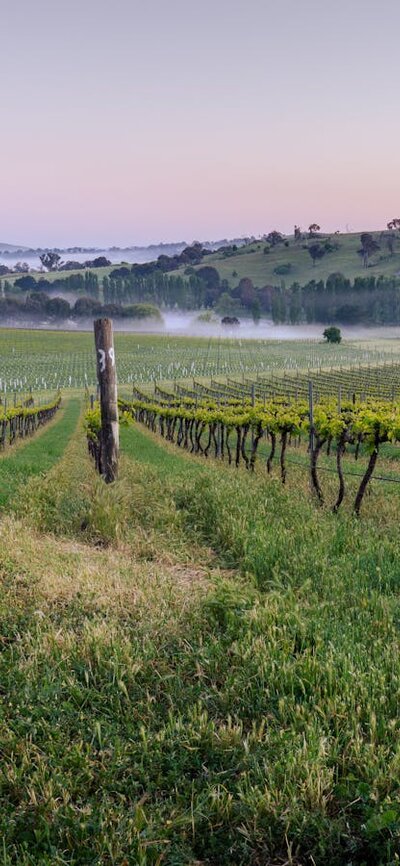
x=22 y=420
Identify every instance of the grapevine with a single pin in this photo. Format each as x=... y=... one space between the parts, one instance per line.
x=22 y=420
x=207 y=427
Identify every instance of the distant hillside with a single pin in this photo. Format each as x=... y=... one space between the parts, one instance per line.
x=11 y=248
x=117 y=254
x=293 y=263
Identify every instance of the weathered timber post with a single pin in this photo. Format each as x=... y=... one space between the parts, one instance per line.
x=253 y=403
x=311 y=420
x=107 y=378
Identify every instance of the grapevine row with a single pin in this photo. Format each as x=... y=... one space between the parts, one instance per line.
x=20 y=421
x=233 y=432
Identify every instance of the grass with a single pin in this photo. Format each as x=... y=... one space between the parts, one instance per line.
x=36 y=455
x=148 y=450
x=196 y=669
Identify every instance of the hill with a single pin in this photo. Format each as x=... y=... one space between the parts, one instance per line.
x=10 y=248
x=262 y=267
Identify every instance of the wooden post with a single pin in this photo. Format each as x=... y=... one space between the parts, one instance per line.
x=253 y=403
x=107 y=378
x=311 y=419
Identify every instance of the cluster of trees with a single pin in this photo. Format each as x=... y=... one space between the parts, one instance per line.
x=367 y=300
x=39 y=305
x=370 y=246
x=318 y=249
x=338 y=299
x=86 y=282
x=196 y=290
x=51 y=262
x=199 y=289
x=190 y=256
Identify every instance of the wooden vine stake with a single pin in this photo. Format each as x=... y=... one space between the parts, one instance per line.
x=107 y=379
x=312 y=431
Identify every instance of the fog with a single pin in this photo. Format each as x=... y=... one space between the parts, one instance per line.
x=114 y=256
x=186 y=324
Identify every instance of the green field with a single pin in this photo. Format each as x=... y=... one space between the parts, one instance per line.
x=199 y=665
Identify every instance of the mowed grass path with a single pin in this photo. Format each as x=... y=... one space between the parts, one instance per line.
x=143 y=447
x=39 y=454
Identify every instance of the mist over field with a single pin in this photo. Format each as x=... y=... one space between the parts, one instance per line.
x=187 y=324
x=116 y=257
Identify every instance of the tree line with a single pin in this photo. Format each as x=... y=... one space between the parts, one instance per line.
x=40 y=305
x=367 y=299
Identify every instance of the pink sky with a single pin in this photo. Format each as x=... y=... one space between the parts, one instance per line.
x=128 y=122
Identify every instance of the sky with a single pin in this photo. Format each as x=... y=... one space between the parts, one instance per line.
x=139 y=121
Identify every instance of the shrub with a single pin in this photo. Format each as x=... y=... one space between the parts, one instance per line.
x=283 y=269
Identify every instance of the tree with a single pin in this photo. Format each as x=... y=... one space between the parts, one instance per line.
x=393 y=224
x=332 y=335
x=226 y=305
x=369 y=246
x=247 y=292
x=50 y=261
x=36 y=302
x=99 y=262
x=26 y=284
x=230 y=320
x=313 y=230
x=297 y=233
x=120 y=272
x=256 y=311
x=86 y=307
x=71 y=265
x=209 y=275
x=58 y=307
x=390 y=239
x=316 y=252
x=274 y=238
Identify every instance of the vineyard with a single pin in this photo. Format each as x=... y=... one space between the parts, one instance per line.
x=238 y=421
x=199 y=660
x=236 y=431
x=48 y=360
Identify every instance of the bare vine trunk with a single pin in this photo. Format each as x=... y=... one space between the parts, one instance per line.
x=314 y=474
x=272 y=452
x=282 y=457
x=254 y=447
x=339 y=455
x=367 y=477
